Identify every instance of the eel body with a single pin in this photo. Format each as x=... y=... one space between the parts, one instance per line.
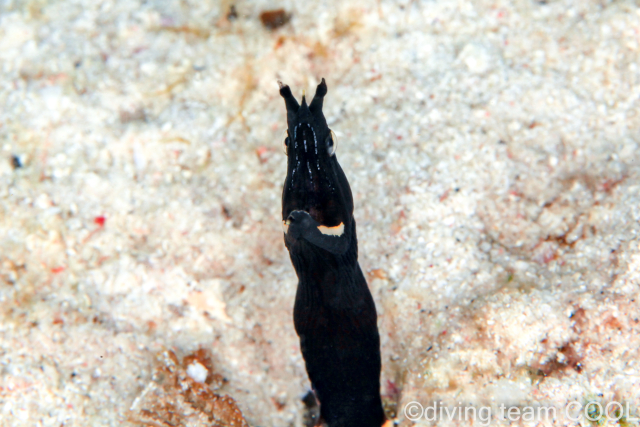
x=334 y=313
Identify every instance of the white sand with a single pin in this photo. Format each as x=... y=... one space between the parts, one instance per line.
x=492 y=148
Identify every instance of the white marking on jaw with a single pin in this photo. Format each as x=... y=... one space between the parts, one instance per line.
x=285 y=226
x=308 y=168
x=338 y=230
x=305 y=145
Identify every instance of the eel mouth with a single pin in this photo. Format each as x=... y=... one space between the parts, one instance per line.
x=337 y=230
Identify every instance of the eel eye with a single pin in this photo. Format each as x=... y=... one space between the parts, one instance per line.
x=332 y=143
x=285 y=143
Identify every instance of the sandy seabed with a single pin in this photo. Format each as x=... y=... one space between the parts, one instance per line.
x=492 y=149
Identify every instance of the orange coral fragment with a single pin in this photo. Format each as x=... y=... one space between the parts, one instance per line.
x=173 y=398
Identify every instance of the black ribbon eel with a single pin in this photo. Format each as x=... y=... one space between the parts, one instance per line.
x=334 y=314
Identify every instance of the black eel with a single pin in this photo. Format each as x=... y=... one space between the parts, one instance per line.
x=334 y=313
